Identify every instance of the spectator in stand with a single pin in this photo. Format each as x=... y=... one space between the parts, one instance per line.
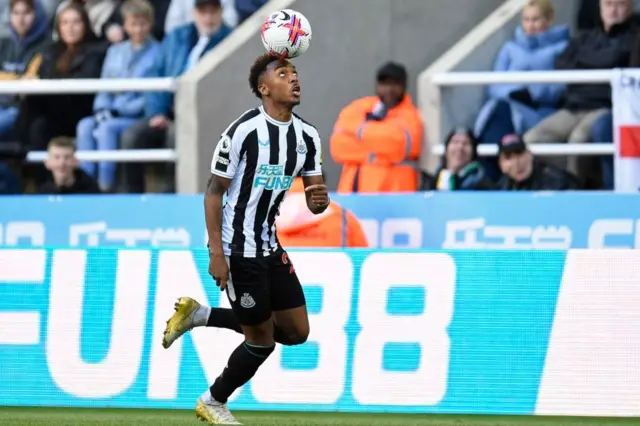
x=104 y=16
x=378 y=138
x=64 y=176
x=180 y=13
x=113 y=113
x=460 y=168
x=517 y=107
x=589 y=14
x=523 y=172
x=74 y=56
x=298 y=227
x=181 y=50
x=608 y=46
x=246 y=8
x=20 y=55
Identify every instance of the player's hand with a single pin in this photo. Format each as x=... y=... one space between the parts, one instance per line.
x=219 y=270
x=319 y=194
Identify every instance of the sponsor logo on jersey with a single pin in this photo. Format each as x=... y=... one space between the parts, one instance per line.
x=271 y=177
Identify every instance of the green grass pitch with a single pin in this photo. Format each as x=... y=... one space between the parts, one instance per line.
x=25 y=416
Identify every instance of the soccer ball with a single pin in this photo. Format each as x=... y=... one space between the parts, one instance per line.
x=286 y=34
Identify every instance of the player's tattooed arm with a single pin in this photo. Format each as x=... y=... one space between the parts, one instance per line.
x=216 y=188
x=316 y=193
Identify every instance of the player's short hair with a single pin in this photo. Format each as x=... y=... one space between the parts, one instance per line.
x=62 y=142
x=257 y=69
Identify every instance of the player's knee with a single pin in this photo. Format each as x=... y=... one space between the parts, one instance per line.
x=299 y=338
x=299 y=335
x=261 y=334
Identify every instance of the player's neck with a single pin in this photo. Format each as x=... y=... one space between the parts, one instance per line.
x=280 y=113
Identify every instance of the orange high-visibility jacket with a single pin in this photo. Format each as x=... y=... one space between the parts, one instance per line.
x=378 y=156
x=298 y=227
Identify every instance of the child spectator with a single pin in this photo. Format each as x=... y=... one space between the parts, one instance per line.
x=517 y=107
x=20 y=55
x=74 y=56
x=104 y=17
x=180 y=51
x=113 y=113
x=460 y=168
x=377 y=138
x=64 y=176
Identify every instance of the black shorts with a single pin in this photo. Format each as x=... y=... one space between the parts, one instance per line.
x=259 y=286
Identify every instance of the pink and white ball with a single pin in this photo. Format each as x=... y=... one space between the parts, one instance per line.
x=286 y=34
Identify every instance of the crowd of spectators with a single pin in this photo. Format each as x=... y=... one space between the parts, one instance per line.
x=377 y=139
x=76 y=39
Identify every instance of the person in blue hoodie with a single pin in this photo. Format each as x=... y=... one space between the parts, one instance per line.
x=516 y=108
x=181 y=50
x=20 y=54
x=113 y=113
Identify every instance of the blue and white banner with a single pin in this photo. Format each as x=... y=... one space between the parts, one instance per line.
x=424 y=220
x=504 y=332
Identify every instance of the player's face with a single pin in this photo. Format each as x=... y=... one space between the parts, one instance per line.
x=281 y=80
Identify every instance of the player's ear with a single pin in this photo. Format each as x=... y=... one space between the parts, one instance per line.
x=263 y=89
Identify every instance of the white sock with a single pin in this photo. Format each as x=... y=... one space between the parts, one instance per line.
x=208 y=399
x=201 y=316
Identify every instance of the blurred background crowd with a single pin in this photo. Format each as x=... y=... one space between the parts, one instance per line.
x=377 y=140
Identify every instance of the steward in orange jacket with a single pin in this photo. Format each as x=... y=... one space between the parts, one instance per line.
x=378 y=139
x=298 y=227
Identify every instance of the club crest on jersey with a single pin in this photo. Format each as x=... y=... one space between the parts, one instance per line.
x=302 y=147
x=225 y=144
x=246 y=301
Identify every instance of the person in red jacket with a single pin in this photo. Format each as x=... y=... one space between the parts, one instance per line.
x=336 y=227
x=377 y=139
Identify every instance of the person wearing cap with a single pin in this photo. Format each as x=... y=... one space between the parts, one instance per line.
x=460 y=168
x=522 y=172
x=378 y=139
x=180 y=51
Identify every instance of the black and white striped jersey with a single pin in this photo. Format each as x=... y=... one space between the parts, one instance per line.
x=262 y=157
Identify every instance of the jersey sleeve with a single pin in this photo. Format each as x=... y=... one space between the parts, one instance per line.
x=226 y=156
x=313 y=163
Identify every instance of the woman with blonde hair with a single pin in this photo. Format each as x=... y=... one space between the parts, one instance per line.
x=516 y=108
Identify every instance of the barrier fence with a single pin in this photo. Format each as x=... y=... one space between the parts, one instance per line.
x=493 y=332
x=80 y=86
x=455 y=79
x=439 y=80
